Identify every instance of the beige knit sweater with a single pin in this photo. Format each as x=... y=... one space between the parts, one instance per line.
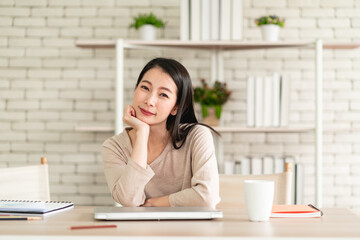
x=189 y=175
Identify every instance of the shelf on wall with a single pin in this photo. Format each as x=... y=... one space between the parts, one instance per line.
x=231 y=129
x=94 y=129
x=263 y=129
x=219 y=129
x=222 y=45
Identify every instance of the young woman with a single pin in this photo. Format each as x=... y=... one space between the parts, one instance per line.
x=165 y=157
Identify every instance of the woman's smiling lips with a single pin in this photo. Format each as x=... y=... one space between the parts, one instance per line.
x=147 y=113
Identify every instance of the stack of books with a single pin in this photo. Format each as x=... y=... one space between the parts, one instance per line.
x=268 y=101
x=210 y=20
x=267 y=164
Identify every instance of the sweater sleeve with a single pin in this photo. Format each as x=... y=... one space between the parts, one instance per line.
x=204 y=189
x=126 y=179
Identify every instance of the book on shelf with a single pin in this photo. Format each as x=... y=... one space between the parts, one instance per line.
x=245 y=165
x=295 y=211
x=195 y=18
x=225 y=17
x=31 y=207
x=215 y=14
x=236 y=20
x=256 y=165
x=250 y=102
x=229 y=167
x=205 y=20
x=268 y=165
x=276 y=100
x=242 y=166
x=184 y=20
x=285 y=101
x=267 y=97
x=237 y=167
x=259 y=102
x=279 y=164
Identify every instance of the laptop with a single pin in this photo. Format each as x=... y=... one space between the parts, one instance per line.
x=156 y=213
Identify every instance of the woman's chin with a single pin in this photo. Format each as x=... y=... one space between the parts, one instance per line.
x=144 y=119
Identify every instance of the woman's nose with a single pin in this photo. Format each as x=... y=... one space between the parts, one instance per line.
x=151 y=100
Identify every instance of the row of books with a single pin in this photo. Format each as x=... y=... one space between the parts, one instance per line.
x=258 y=165
x=268 y=164
x=210 y=20
x=268 y=101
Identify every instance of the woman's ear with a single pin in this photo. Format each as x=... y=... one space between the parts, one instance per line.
x=174 y=111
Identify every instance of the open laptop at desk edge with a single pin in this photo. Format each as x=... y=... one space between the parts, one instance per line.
x=156 y=213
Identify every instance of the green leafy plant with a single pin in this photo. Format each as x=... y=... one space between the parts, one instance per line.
x=143 y=19
x=214 y=96
x=270 y=19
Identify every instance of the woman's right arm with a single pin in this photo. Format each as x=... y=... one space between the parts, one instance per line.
x=127 y=177
x=139 y=144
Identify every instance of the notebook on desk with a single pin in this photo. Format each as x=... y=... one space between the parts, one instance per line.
x=156 y=213
x=31 y=207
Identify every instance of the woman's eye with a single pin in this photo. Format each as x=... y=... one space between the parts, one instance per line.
x=145 y=87
x=164 y=95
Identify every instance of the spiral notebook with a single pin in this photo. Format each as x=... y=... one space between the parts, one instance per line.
x=32 y=207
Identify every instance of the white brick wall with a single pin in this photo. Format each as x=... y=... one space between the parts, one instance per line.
x=48 y=87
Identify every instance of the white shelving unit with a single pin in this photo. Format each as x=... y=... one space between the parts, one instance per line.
x=217 y=48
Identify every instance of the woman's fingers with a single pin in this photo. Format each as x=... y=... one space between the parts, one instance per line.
x=130 y=118
x=132 y=111
x=129 y=112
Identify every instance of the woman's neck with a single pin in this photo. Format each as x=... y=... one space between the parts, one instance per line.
x=158 y=136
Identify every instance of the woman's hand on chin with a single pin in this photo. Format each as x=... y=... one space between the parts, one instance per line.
x=131 y=119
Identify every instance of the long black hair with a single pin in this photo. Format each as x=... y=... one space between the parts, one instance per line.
x=185 y=112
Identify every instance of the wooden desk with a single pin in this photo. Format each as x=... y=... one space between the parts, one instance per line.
x=336 y=223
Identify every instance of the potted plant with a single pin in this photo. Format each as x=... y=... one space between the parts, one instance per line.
x=147 y=24
x=211 y=100
x=270 y=26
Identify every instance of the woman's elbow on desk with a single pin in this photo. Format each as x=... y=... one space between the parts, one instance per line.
x=128 y=201
x=190 y=197
x=207 y=196
x=209 y=202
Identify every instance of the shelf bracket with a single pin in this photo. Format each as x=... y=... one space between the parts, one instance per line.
x=318 y=121
x=119 y=86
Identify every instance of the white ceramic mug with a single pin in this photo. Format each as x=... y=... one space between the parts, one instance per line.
x=259 y=198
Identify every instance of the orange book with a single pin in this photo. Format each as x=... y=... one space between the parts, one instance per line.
x=289 y=211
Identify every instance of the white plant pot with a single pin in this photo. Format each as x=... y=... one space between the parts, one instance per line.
x=148 y=32
x=270 y=32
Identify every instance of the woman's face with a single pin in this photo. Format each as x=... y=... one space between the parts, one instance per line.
x=155 y=97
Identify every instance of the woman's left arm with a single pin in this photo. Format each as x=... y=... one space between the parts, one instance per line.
x=204 y=189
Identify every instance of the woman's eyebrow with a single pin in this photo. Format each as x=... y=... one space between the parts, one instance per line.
x=146 y=81
x=164 y=88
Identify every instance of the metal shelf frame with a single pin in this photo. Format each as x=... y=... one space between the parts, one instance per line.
x=216 y=49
